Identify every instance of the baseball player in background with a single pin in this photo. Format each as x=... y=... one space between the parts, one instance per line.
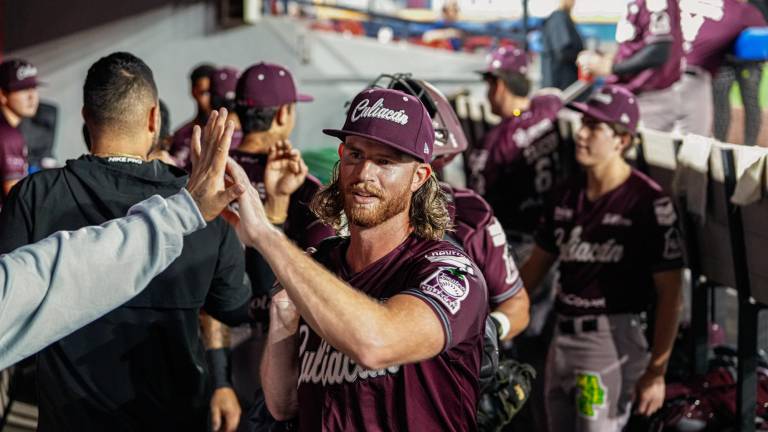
x=521 y=150
x=614 y=233
x=264 y=98
x=709 y=30
x=18 y=100
x=648 y=60
x=381 y=330
x=200 y=86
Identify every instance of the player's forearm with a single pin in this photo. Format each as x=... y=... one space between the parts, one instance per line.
x=8 y=185
x=347 y=319
x=45 y=294
x=669 y=295
x=535 y=269
x=650 y=57
x=280 y=375
x=517 y=312
x=215 y=335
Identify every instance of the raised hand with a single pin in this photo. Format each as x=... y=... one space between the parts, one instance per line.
x=250 y=219
x=285 y=171
x=210 y=152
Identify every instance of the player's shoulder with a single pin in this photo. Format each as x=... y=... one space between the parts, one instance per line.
x=546 y=104
x=471 y=208
x=10 y=137
x=645 y=187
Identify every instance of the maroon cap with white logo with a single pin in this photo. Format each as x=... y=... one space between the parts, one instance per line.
x=267 y=85
x=611 y=104
x=506 y=60
x=17 y=74
x=224 y=83
x=390 y=117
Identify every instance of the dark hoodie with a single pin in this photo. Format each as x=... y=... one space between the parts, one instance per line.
x=140 y=367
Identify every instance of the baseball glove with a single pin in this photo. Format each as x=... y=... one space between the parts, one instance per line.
x=504 y=399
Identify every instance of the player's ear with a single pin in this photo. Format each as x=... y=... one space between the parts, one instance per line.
x=420 y=176
x=3 y=97
x=281 y=117
x=153 y=121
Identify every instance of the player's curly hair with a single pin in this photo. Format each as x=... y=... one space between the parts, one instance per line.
x=428 y=212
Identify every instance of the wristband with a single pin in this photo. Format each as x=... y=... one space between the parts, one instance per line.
x=219 y=367
x=502 y=323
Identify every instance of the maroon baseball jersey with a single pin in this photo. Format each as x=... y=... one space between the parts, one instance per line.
x=439 y=394
x=484 y=240
x=13 y=153
x=516 y=165
x=646 y=22
x=609 y=249
x=710 y=28
x=181 y=144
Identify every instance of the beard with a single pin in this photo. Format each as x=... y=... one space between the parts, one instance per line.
x=373 y=214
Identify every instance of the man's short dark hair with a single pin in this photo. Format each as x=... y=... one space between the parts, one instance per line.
x=518 y=84
x=203 y=70
x=116 y=89
x=255 y=119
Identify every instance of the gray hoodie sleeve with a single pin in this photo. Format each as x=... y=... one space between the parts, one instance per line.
x=53 y=287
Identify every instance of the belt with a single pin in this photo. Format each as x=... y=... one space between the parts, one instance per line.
x=569 y=326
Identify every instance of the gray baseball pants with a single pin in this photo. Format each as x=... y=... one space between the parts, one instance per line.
x=592 y=367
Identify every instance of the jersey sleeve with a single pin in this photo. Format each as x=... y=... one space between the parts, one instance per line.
x=13 y=157
x=664 y=244
x=498 y=266
x=453 y=287
x=655 y=21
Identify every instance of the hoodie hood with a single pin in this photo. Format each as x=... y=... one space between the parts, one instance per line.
x=105 y=188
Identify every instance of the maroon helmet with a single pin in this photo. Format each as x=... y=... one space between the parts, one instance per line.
x=449 y=136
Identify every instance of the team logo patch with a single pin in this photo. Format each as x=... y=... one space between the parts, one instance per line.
x=452 y=259
x=591 y=394
x=448 y=286
x=665 y=211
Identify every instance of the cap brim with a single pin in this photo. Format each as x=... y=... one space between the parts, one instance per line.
x=591 y=111
x=304 y=98
x=27 y=85
x=342 y=134
x=485 y=73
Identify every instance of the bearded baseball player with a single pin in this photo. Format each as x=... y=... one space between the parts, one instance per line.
x=614 y=232
x=648 y=60
x=709 y=30
x=381 y=330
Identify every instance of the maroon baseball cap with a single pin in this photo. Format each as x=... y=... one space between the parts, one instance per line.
x=224 y=82
x=611 y=104
x=506 y=60
x=390 y=117
x=266 y=85
x=17 y=74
